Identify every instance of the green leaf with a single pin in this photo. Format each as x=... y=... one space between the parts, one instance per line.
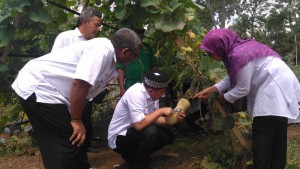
x=199 y=6
x=122 y=2
x=60 y=17
x=17 y=5
x=169 y=23
x=174 y=4
x=120 y=13
x=4 y=14
x=147 y=3
x=39 y=15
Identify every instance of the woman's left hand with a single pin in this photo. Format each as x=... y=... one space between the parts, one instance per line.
x=205 y=93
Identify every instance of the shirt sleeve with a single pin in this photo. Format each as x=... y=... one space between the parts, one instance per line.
x=223 y=85
x=92 y=60
x=136 y=107
x=242 y=87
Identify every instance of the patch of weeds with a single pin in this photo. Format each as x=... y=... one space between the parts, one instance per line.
x=293 y=152
x=17 y=145
x=184 y=143
x=221 y=150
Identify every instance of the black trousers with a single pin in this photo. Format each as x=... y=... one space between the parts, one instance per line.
x=269 y=142
x=52 y=130
x=87 y=114
x=136 y=147
x=86 y=118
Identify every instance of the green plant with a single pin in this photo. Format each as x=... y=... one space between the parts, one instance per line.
x=10 y=111
x=221 y=150
x=293 y=153
x=17 y=145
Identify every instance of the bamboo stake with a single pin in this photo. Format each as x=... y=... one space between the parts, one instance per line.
x=235 y=130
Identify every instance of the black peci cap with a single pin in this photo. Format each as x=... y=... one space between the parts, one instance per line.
x=156 y=79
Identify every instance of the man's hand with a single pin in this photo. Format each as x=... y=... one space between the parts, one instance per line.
x=79 y=134
x=167 y=111
x=122 y=91
x=180 y=117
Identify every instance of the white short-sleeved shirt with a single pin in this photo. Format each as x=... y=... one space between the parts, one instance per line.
x=50 y=76
x=272 y=89
x=67 y=38
x=131 y=108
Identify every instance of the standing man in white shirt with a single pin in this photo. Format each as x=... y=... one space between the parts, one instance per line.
x=54 y=89
x=88 y=26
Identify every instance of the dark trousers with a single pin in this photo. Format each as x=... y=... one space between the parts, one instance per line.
x=136 y=147
x=52 y=130
x=86 y=118
x=87 y=114
x=269 y=142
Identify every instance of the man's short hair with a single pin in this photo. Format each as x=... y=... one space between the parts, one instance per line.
x=87 y=14
x=126 y=38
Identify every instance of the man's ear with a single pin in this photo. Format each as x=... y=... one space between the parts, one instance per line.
x=124 y=51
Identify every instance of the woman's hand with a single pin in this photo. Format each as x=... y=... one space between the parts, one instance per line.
x=205 y=93
x=79 y=134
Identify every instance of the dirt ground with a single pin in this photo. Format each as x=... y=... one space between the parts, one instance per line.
x=186 y=152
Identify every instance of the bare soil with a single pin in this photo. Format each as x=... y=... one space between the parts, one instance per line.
x=186 y=152
x=187 y=149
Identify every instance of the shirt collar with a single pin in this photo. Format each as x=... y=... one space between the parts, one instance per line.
x=115 y=57
x=78 y=33
x=148 y=97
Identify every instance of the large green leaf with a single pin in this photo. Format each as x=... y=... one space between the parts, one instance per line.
x=17 y=5
x=120 y=13
x=39 y=15
x=4 y=14
x=168 y=23
x=174 y=4
x=147 y=3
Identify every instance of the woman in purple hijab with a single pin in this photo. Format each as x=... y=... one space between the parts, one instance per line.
x=272 y=90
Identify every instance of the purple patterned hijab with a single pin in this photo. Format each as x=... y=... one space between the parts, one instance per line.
x=235 y=51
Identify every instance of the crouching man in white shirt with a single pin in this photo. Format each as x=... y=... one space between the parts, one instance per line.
x=138 y=127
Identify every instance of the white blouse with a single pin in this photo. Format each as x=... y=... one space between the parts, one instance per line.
x=272 y=89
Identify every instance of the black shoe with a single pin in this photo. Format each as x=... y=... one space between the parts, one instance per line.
x=95 y=138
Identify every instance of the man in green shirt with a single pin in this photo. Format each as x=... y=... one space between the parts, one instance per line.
x=134 y=72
